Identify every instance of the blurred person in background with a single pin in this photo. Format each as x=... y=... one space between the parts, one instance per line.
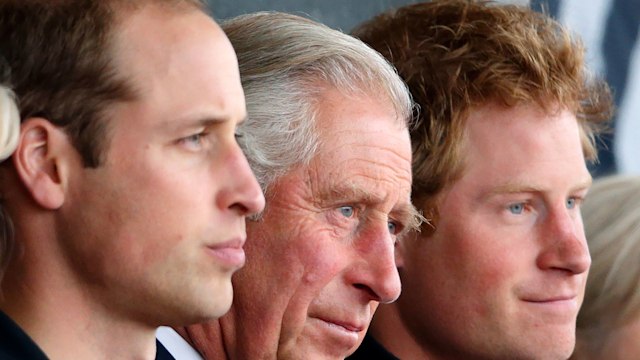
x=609 y=321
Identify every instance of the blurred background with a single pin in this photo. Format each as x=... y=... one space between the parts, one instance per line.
x=609 y=29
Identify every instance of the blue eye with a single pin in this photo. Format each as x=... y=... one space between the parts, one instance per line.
x=516 y=209
x=194 y=142
x=346 y=211
x=571 y=203
x=194 y=139
x=393 y=228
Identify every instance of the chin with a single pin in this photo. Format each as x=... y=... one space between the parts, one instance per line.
x=221 y=304
x=553 y=349
x=214 y=302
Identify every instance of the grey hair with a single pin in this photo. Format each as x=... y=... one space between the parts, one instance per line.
x=286 y=62
x=611 y=216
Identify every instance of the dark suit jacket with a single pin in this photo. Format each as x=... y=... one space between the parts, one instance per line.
x=15 y=344
x=162 y=353
x=370 y=349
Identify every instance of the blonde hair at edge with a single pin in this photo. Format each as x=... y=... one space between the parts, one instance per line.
x=611 y=215
x=9 y=134
x=9 y=123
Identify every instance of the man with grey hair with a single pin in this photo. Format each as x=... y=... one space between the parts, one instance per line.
x=327 y=138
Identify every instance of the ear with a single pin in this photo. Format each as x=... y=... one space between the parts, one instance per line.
x=42 y=150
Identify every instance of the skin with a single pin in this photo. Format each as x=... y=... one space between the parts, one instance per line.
x=503 y=276
x=153 y=235
x=322 y=257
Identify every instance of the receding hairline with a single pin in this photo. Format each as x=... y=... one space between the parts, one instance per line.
x=123 y=11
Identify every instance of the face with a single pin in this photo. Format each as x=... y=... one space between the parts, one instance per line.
x=322 y=256
x=158 y=229
x=508 y=260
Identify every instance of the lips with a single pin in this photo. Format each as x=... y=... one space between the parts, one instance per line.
x=229 y=253
x=351 y=326
x=555 y=306
x=550 y=299
x=341 y=335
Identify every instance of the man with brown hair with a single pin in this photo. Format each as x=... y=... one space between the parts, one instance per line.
x=507 y=118
x=127 y=190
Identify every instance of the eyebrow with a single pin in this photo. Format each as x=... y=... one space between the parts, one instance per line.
x=209 y=121
x=199 y=120
x=514 y=188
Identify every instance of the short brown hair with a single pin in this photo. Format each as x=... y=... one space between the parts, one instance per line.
x=457 y=55
x=59 y=60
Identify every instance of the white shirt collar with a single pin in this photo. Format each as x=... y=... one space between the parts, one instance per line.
x=178 y=347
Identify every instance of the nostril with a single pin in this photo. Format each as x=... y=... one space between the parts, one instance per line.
x=369 y=291
x=240 y=209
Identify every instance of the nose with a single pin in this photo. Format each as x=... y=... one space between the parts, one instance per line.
x=376 y=273
x=242 y=193
x=565 y=244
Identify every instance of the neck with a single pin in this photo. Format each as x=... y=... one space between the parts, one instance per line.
x=64 y=319
x=207 y=338
x=390 y=331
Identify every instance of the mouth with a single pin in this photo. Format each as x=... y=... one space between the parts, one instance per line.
x=336 y=337
x=562 y=304
x=345 y=326
x=340 y=334
x=229 y=253
x=551 y=299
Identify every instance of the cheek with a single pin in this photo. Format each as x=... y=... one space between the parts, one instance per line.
x=486 y=254
x=145 y=230
x=462 y=263
x=297 y=261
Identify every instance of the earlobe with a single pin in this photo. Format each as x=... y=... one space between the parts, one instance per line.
x=37 y=160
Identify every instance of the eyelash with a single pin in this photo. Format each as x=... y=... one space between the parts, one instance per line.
x=197 y=137
x=354 y=213
x=398 y=227
x=577 y=201
x=523 y=204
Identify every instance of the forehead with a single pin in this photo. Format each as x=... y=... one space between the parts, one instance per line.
x=364 y=148
x=523 y=145
x=177 y=56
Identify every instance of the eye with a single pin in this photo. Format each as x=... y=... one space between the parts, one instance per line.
x=516 y=208
x=194 y=141
x=238 y=136
x=346 y=211
x=571 y=203
x=393 y=227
